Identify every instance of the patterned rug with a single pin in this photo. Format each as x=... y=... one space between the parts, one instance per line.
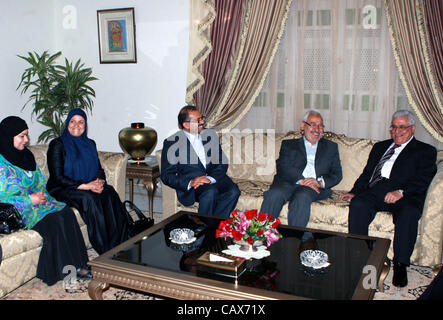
x=418 y=279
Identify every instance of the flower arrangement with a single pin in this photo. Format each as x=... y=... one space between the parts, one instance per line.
x=250 y=226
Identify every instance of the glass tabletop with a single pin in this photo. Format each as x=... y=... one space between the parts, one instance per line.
x=281 y=271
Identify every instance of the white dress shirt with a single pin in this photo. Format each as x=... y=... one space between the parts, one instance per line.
x=309 y=171
x=387 y=166
x=197 y=145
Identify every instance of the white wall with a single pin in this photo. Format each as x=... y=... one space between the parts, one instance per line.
x=150 y=91
x=26 y=27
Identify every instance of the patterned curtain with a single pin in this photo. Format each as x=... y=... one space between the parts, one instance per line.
x=244 y=69
x=217 y=67
x=415 y=30
x=202 y=15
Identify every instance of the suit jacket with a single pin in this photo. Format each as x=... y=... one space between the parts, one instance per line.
x=292 y=161
x=412 y=171
x=180 y=163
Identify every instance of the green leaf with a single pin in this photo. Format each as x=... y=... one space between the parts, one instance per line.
x=55 y=90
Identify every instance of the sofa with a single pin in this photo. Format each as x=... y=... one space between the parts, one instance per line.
x=252 y=158
x=21 y=249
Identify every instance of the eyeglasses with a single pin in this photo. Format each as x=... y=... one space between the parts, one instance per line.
x=401 y=128
x=202 y=118
x=314 y=125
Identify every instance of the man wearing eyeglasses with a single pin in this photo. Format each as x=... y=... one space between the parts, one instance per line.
x=395 y=179
x=194 y=164
x=307 y=169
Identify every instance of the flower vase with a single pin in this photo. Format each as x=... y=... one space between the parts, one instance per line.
x=247 y=247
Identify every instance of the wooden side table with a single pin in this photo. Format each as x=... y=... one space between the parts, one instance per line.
x=148 y=172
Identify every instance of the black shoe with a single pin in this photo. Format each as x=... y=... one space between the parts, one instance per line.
x=400 y=277
x=84 y=274
x=309 y=244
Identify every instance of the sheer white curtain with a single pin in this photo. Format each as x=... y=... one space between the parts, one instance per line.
x=335 y=57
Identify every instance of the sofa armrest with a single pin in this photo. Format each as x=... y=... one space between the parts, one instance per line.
x=431 y=224
x=114 y=164
x=169 y=196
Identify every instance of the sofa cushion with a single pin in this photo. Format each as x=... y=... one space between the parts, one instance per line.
x=19 y=242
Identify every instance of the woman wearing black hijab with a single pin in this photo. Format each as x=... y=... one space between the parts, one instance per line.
x=77 y=178
x=23 y=185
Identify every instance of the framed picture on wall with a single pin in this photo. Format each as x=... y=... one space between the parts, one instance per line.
x=116 y=35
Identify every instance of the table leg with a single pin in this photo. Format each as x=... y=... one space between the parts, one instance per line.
x=383 y=275
x=151 y=186
x=131 y=190
x=96 y=288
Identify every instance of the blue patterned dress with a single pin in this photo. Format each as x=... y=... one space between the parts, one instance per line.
x=16 y=186
x=63 y=243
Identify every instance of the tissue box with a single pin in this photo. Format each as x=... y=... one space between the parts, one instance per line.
x=232 y=269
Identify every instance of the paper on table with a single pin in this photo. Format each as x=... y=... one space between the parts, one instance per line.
x=214 y=257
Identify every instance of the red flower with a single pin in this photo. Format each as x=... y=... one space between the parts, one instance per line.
x=260 y=232
x=261 y=217
x=276 y=223
x=250 y=240
x=236 y=235
x=251 y=214
x=218 y=233
x=234 y=213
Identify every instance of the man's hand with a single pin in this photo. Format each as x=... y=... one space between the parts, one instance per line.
x=346 y=196
x=311 y=183
x=38 y=198
x=393 y=196
x=199 y=181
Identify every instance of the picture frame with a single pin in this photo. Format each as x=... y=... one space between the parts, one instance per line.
x=116 y=35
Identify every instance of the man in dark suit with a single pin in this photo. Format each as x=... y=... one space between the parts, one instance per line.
x=395 y=179
x=194 y=165
x=307 y=169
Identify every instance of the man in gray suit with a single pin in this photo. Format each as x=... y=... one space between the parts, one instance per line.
x=307 y=169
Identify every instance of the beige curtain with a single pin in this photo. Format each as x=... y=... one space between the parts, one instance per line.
x=263 y=26
x=410 y=46
x=332 y=60
x=260 y=34
x=202 y=14
x=335 y=57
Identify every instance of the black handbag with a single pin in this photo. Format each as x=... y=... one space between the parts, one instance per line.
x=139 y=225
x=10 y=219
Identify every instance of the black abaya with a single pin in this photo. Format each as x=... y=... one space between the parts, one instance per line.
x=63 y=245
x=103 y=214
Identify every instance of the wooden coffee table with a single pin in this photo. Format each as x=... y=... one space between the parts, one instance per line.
x=149 y=263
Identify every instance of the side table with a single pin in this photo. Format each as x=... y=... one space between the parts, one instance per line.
x=148 y=172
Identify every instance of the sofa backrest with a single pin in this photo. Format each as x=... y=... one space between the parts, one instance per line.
x=252 y=155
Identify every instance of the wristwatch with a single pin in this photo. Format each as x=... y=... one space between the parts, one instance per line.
x=400 y=190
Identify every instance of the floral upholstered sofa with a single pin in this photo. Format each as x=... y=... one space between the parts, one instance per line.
x=252 y=166
x=21 y=249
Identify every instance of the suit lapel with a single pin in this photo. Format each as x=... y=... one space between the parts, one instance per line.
x=404 y=154
x=301 y=147
x=318 y=158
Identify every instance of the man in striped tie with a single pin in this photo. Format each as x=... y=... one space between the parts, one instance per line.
x=395 y=179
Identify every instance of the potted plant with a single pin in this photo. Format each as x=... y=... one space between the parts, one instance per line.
x=56 y=89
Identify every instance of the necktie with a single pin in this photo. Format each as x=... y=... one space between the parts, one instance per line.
x=376 y=176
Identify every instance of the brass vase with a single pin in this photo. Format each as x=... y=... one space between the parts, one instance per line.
x=137 y=140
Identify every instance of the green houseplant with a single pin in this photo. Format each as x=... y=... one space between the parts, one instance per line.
x=56 y=89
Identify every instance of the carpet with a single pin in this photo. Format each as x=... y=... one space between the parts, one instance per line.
x=418 y=279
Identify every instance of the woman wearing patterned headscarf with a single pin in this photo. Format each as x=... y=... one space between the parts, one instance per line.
x=23 y=185
x=77 y=178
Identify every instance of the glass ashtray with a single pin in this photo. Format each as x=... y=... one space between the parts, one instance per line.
x=182 y=236
x=315 y=259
